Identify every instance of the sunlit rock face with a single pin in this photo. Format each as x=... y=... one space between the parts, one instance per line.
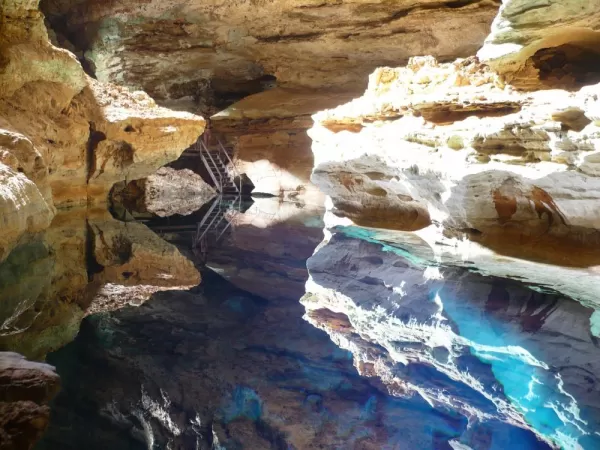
x=165 y=193
x=547 y=44
x=451 y=145
x=233 y=371
x=508 y=358
x=187 y=49
x=65 y=139
x=85 y=262
x=267 y=132
x=25 y=389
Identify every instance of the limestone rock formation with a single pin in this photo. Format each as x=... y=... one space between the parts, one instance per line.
x=165 y=193
x=65 y=139
x=452 y=147
x=268 y=134
x=489 y=349
x=25 y=389
x=190 y=49
x=542 y=44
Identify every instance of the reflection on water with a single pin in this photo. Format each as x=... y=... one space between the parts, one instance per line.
x=384 y=350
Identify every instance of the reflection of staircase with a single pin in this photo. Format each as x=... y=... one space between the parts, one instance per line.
x=216 y=162
x=214 y=224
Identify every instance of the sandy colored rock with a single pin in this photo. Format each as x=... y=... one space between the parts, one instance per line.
x=193 y=50
x=549 y=43
x=65 y=138
x=26 y=388
x=268 y=134
x=165 y=193
x=451 y=146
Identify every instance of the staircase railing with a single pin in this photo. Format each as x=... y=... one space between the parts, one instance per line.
x=233 y=168
x=210 y=172
x=219 y=165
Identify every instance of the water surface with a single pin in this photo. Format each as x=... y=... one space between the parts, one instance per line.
x=380 y=349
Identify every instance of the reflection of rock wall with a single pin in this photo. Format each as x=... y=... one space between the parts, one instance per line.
x=135 y=263
x=233 y=370
x=485 y=348
x=65 y=138
x=268 y=248
x=84 y=262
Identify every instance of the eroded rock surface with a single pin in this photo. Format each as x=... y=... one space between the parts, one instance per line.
x=179 y=50
x=26 y=388
x=545 y=44
x=489 y=349
x=165 y=193
x=452 y=146
x=65 y=138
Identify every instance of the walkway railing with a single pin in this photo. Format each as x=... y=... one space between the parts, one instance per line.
x=216 y=163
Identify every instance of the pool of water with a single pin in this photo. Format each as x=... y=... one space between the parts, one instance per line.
x=293 y=339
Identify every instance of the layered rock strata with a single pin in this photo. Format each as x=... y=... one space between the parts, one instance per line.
x=165 y=193
x=65 y=139
x=191 y=51
x=452 y=146
x=547 y=44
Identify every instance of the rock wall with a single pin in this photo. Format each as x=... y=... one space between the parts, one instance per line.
x=268 y=134
x=549 y=44
x=457 y=147
x=26 y=388
x=65 y=139
x=193 y=50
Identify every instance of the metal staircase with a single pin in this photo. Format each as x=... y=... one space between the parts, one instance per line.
x=216 y=161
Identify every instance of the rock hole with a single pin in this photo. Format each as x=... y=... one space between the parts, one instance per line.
x=375 y=260
x=568 y=66
x=129 y=129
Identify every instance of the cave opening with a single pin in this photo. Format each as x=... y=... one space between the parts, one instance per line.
x=568 y=66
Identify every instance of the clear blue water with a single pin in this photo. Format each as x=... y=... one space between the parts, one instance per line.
x=234 y=363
